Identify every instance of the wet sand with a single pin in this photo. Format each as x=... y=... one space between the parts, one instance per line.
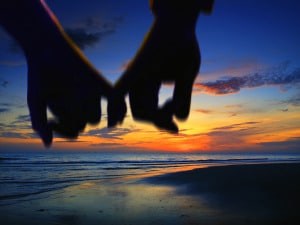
x=242 y=194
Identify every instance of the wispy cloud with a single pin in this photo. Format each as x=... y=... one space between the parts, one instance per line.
x=92 y=30
x=110 y=133
x=233 y=106
x=9 y=134
x=278 y=76
x=239 y=127
x=293 y=101
x=20 y=125
x=232 y=68
x=204 y=111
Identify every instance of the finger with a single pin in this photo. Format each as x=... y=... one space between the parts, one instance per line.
x=38 y=114
x=70 y=114
x=65 y=130
x=164 y=118
x=69 y=119
x=143 y=98
x=93 y=109
x=182 y=98
x=116 y=109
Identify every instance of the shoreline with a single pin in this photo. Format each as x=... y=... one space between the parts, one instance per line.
x=247 y=194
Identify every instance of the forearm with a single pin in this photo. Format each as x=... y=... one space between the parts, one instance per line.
x=31 y=23
x=42 y=37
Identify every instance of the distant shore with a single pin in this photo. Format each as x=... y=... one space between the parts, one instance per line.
x=246 y=194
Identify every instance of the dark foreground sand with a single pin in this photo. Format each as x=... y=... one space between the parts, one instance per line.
x=266 y=194
x=244 y=194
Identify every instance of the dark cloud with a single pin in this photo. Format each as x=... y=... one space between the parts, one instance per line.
x=3 y=110
x=274 y=77
x=290 y=145
x=3 y=83
x=92 y=31
x=293 y=101
x=5 y=107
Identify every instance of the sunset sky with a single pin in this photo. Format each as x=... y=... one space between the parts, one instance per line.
x=246 y=97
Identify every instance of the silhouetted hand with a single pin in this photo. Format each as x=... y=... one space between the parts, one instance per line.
x=169 y=53
x=60 y=78
x=65 y=83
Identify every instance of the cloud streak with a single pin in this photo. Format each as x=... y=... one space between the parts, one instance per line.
x=279 y=76
x=110 y=133
x=204 y=111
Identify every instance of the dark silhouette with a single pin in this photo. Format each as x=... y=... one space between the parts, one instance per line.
x=169 y=52
x=60 y=77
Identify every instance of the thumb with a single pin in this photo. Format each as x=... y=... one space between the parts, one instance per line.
x=38 y=114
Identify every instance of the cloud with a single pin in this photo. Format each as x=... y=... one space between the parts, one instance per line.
x=11 y=134
x=204 y=111
x=293 y=101
x=70 y=141
x=92 y=31
x=240 y=128
x=3 y=83
x=278 y=76
x=21 y=123
x=3 y=110
x=290 y=145
x=110 y=133
x=5 y=107
x=85 y=34
x=235 y=68
x=107 y=145
x=233 y=106
x=23 y=118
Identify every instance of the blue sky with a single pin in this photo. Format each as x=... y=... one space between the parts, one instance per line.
x=249 y=73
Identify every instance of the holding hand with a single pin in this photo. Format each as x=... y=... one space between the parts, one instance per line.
x=60 y=78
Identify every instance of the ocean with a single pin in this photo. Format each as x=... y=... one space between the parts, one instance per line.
x=27 y=176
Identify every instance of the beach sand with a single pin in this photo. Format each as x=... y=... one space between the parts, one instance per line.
x=239 y=194
x=243 y=194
